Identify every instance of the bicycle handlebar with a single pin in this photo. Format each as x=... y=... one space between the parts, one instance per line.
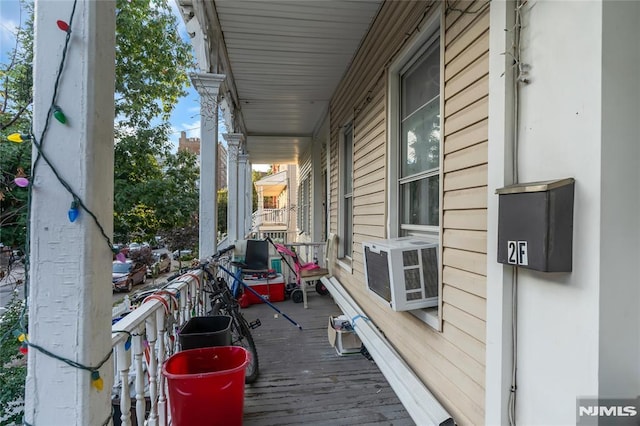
x=223 y=251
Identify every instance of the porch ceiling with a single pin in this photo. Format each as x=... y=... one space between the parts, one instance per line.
x=286 y=59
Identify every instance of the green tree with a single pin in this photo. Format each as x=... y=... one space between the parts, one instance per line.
x=15 y=117
x=151 y=75
x=13 y=364
x=151 y=61
x=155 y=190
x=185 y=237
x=13 y=199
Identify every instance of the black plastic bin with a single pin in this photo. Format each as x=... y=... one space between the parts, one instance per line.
x=204 y=332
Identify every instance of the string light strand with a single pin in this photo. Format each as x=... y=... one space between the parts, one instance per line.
x=56 y=85
x=75 y=196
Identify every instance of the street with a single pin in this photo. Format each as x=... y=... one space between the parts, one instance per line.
x=13 y=283
x=151 y=282
x=159 y=280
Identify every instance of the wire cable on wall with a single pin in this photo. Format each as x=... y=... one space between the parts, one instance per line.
x=521 y=70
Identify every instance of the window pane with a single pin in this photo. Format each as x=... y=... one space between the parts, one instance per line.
x=421 y=82
x=348 y=160
x=421 y=140
x=348 y=225
x=419 y=201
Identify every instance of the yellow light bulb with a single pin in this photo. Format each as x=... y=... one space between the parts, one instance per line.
x=15 y=137
x=98 y=384
x=96 y=380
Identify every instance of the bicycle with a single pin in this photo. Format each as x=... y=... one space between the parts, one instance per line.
x=224 y=301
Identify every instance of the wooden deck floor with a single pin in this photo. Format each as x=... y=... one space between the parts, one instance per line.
x=302 y=379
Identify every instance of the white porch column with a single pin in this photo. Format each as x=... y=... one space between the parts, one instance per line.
x=233 y=227
x=243 y=160
x=207 y=85
x=70 y=263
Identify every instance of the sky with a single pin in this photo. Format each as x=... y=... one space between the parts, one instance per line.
x=186 y=115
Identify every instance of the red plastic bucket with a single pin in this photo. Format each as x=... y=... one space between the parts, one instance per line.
x=206 y=385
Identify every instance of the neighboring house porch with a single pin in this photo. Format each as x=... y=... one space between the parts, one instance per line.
x=276 y=212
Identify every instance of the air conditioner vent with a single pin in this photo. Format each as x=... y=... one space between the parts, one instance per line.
x=403 y=272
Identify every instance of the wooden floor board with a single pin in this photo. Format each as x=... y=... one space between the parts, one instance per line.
x=303 y=381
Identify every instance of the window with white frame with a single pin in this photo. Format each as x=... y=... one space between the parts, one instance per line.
x=346 y=192
x=415 y=120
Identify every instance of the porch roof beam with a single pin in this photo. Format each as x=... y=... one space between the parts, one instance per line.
x=273 y=149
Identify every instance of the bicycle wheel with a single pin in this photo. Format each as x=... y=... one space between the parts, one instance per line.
x=241 y=336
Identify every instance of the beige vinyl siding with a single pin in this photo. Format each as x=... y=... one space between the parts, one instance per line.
x=304 y=164
x=464 y=239
x=451 y=362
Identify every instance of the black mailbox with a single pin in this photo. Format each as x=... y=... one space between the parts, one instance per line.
x=535 y=225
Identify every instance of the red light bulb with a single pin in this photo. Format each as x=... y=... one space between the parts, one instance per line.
x=63 y=25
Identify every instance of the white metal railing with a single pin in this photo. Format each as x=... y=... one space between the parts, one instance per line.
x=121 y=308
x=144 y=339
x=277 y=236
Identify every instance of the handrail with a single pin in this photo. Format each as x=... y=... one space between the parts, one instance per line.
x=144 y=339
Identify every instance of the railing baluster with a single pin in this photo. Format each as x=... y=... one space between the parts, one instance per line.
x=162 y=399
x=194 y=298
x=152 y=368
x=138 y=348
x=200 y=300
x=183 y=316
x=124 y=362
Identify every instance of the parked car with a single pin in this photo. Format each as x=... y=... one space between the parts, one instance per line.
x=133 y=247
x=161 y=263
x=122 y=248
x=127 y=274
x=181 y=253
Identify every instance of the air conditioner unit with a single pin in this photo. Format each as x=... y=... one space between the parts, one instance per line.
x=403 y=272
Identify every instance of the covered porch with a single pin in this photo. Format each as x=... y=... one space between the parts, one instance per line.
x=303 y=379
x=275 y=108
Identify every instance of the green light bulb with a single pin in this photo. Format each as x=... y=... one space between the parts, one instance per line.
x=59 y=115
